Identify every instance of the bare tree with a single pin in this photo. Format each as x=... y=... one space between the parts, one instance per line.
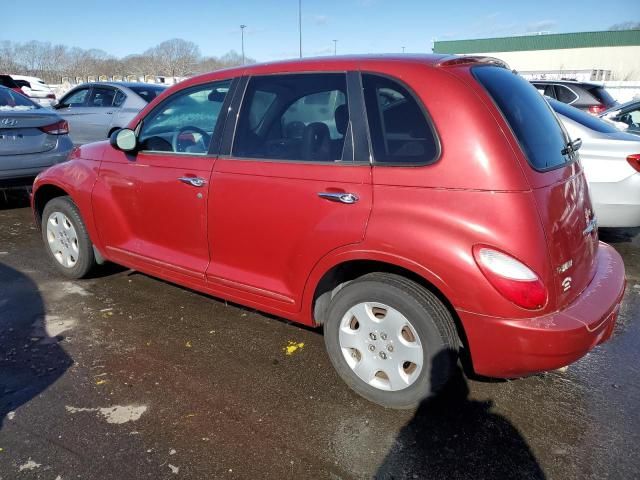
x=625 y=26
x=175 y=57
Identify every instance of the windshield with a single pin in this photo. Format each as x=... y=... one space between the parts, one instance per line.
x=589 y=121
x=532 y=121
x=148 y=93
x=10 y=100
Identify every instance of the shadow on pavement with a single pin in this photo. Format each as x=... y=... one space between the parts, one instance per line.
x=454 y=437
x=30 y=357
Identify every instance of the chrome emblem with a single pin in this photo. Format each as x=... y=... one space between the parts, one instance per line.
x=9 y=122
x=565 y=266
x=566 y=284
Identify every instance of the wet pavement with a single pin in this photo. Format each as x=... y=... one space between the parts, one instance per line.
x=124 y=376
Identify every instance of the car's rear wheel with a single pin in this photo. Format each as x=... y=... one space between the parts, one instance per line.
x=391 y=340
x=66 y=239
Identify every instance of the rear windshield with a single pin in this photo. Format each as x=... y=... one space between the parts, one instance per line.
x=148 y=93
x=534 y=124
x=7 y=81
x=602 y=95
x=589 y=121
x=13 y=101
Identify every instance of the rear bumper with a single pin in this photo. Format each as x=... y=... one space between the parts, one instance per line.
x=514 y=348
x=30 y=165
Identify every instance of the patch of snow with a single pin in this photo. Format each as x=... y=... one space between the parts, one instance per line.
x=30 y=465
x=174 y=469
x=117 y=414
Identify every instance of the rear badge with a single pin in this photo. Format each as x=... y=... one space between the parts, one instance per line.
x=566 y=284
x=565 y=266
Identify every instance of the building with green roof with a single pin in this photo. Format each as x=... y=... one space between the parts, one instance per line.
x=608 y=55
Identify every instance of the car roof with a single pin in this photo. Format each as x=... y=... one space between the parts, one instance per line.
x=122 y=84
x=342 y=62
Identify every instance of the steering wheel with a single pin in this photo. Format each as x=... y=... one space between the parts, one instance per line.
x=175 y=141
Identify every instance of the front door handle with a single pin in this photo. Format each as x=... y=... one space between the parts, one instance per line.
x=347 y=198
x=194 y=181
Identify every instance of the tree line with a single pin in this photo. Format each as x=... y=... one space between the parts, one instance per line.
x=53 y=63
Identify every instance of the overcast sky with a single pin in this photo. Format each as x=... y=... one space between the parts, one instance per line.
x=122 y=27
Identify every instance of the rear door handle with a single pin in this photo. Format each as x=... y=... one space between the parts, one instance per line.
x=347 y=198
x=194 y=181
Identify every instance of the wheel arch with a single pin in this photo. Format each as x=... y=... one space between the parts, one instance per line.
x=43 y=195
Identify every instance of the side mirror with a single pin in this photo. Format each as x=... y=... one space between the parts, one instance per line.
x=124 y=139
x=59 y=105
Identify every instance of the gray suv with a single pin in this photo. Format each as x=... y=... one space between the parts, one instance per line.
x=591 y=97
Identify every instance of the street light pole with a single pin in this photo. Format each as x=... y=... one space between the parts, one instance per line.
x=335 y=47
x=242 y=27
x=300 y=24
x=402 y=49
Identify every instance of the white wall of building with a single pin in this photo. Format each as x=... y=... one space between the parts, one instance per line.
x=624 y=62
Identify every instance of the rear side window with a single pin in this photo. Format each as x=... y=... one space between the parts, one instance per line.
x=148 y=93
x=400 y=132
x=564 y=94
x=530 y=117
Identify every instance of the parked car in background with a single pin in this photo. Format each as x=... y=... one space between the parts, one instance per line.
x=95 y=110
x=32 y=138
x=625 y=116
x=7 y=81
x=611 y=161
x=35 y=89
x=591 y=97
x=256 y=184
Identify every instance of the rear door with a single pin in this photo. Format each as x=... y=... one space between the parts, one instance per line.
x=555 y=175
x=294 y=185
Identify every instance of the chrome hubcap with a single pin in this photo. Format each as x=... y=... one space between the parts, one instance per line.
x=381 y=346
x=63 y=239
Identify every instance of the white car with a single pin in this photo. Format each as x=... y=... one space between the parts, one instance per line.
x=35 y=89
x=611 y=161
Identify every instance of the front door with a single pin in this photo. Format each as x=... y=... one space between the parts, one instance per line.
x=153 y=205
x=293 y=188
x=73 y=108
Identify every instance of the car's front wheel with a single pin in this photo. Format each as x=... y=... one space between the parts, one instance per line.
x=390 y=339
x=66 y=239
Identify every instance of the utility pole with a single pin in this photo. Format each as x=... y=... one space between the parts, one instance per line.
x=335 y=47
x=300 y=24
x=242 y=27
x=402 y=49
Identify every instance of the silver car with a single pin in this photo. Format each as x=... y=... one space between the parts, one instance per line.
x=611 y=161
x=32 y=138
x=95 y=110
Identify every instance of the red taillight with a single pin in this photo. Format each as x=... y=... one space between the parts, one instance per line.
x=597 y=109
x=511 y=278
x=58 y=128
x=634 y=161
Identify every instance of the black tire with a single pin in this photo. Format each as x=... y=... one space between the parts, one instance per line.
x=85 y=260
x=428 y=317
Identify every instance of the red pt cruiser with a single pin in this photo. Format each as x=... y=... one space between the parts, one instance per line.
x=414 y=207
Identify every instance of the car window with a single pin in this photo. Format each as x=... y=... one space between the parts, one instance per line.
x=10 y=100
x=148 y=93
x=631 y=118
x=119 y=98
x=101 y=97
x=300 y=117
x=185 y=122
x=533 y=122
x=76 y=98
x=583 y=118
x=400 y=132
x=565 y=95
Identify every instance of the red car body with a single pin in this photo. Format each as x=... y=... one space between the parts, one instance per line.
x=259 y=235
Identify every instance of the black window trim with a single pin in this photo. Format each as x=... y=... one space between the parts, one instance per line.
x=120 y=90
x=356 y=150
x=220 y=123
x=572 y=157
x=425 y=112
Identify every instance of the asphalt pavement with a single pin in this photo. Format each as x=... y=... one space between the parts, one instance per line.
x=123 y=376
